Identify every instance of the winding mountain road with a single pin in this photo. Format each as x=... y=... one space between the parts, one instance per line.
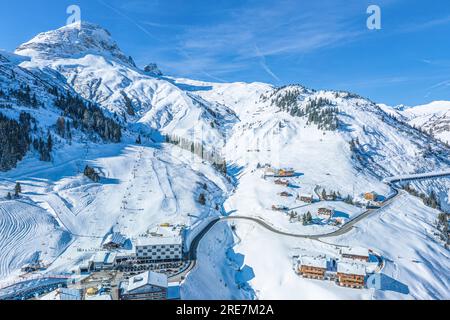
x=346 y=228
x=192 y=254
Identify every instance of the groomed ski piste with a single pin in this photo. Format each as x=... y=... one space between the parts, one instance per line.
x=28 y=233
x=155 y=181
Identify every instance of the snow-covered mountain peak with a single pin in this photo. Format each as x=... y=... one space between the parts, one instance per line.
x=74 y=41
x=93 y=65
x=433 y=117
x=435 y=107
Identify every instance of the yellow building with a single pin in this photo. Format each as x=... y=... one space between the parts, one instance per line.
x=91 y=291
x=370 y=196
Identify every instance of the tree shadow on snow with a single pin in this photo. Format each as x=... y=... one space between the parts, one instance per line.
x=244 y=275
x=345 y=127
x=188 y=87
x=128 y=245
x=340 y=214
x=229 y=213
x=106 y=181
x=233 y=171
x=237 y=259
x=298 y=174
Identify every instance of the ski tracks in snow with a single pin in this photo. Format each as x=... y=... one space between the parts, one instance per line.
x=22 y=226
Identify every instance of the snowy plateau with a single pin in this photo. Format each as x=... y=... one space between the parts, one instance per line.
x=257 y=180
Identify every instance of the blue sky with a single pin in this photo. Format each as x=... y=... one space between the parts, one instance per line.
x=321 y=44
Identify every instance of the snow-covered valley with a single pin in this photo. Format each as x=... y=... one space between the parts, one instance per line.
x=150 y=146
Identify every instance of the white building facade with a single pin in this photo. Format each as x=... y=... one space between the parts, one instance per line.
x=159 y=249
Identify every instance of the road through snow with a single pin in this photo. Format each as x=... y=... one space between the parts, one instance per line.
x=192 y=254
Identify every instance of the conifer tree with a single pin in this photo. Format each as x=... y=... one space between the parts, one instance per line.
x=17 y=189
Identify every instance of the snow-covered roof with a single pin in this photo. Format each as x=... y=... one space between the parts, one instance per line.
x=63 y=294
x=317 y=262
x=104 y=257
x=147 y=278
x=110 y=258
x=351 y=268
x=99 y=257
x=160 y=236
x=154 y=241
x=115 y=238
x=84 y=264
x=355 y=251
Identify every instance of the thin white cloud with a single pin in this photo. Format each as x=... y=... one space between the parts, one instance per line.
x=423 y=25
x=442 y=85
x=130 y=19
x=193 y=64
x=264 y=65
x=275 y=29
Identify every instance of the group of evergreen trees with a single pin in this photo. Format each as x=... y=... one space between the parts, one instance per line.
x=199 y=149
x=307 y=218
x=14 y=140
x=319 y=111
x=89 y=117
x=44 y=147
x=128 y=104
x=358 y=153
x=336 y=196
x=333 y=195
x=431 y=200
x=17 y=191
x=442 y=225
x=16 y=137
x=287 y=99
x=349 y=200
x=64 y=128
x=22 y=95
x=354 y=145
